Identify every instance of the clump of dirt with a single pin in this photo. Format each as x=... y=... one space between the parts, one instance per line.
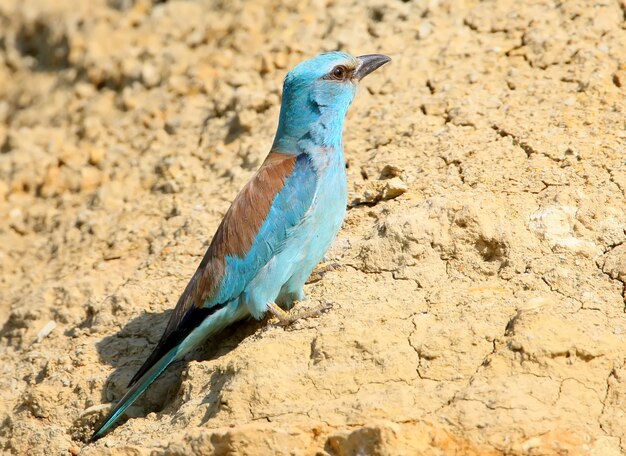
x=477 y=285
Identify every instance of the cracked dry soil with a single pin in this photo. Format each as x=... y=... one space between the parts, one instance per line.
x=477 y=283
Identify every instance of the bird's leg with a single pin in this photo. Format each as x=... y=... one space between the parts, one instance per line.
x=287 y=318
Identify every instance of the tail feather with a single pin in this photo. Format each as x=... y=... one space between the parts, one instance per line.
x=174 y=337
x=192 y=330
x=132 y=394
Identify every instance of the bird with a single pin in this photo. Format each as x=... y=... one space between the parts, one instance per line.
x=279 y=226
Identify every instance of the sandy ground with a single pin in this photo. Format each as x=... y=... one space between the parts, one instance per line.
x=477 y=285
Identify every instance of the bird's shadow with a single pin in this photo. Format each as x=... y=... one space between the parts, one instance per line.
x=127 y=349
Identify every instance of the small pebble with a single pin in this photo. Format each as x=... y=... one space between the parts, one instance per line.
x=46 y=330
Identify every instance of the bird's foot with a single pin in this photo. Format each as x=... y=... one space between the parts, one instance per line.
x=288 y=318
x=283 y=317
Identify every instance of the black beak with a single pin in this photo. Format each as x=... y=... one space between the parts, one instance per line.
x=369 y=63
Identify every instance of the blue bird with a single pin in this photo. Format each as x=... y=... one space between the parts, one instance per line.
x=278 y=227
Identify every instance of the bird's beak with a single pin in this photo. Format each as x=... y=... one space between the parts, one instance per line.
x=369 y=63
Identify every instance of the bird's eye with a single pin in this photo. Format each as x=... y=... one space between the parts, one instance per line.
x=339 y=72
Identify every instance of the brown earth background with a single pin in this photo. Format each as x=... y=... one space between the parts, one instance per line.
x=477 y=285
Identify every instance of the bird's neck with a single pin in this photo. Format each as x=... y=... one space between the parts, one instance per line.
x=309 y=125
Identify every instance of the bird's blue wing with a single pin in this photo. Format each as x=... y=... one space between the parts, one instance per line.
x=287 y=210
x=252 y=231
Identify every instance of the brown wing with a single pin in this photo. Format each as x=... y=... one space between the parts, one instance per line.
x=234 y=237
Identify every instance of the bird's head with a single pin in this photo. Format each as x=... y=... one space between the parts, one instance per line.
x=316 y=97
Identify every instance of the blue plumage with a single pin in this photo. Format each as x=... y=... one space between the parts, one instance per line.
x=279 y=226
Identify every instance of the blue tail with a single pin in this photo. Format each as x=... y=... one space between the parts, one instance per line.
x=131 y=396
x=190 y=329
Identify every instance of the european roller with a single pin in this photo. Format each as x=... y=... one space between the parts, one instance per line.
x=278 y=227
